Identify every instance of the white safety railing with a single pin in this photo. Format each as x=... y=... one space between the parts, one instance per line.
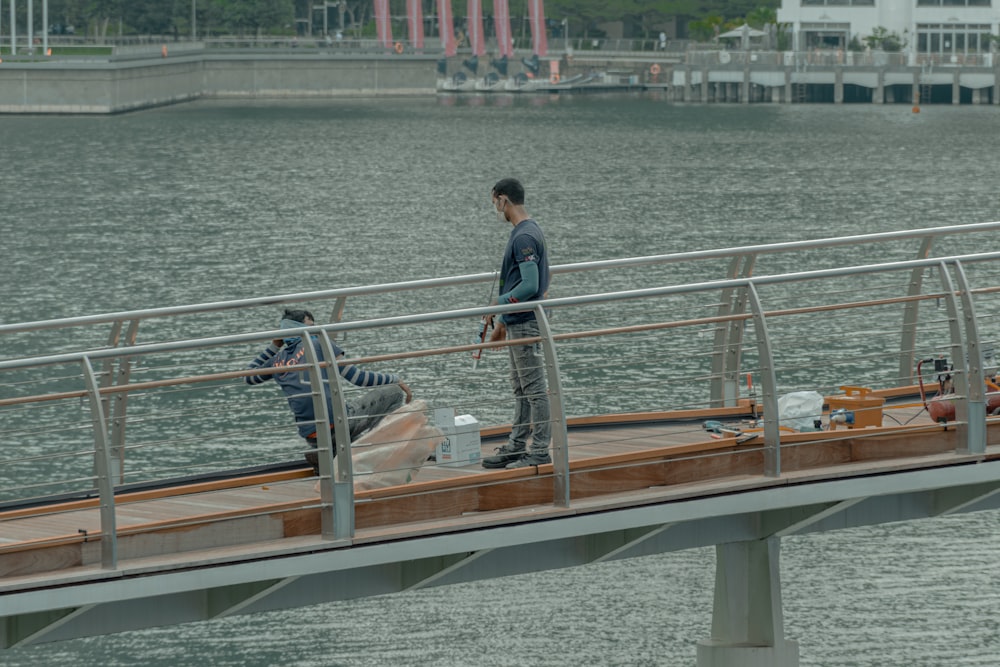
x=830 y=58
x=107 y=415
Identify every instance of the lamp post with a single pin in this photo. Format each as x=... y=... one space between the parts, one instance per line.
x=565 y=23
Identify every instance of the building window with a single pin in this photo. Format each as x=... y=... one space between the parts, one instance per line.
x=954 y=3
x=953 y=42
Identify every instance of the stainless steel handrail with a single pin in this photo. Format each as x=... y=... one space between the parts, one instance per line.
x=337 y=500
x=431 y=283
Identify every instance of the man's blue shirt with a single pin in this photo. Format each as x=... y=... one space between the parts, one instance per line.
x=526 y=244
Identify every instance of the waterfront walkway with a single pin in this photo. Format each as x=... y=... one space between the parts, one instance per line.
x=139 y=514
x=134 y=77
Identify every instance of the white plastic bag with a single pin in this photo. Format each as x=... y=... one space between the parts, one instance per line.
x=800 y=410
x=393 y=452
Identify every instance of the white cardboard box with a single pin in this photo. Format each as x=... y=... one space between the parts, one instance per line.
x=461 y=445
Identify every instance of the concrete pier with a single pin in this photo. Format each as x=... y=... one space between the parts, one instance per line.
x=142 y=80
x=108 y=87
x=747 y=623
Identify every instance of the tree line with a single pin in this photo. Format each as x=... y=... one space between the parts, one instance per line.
x=697 y=19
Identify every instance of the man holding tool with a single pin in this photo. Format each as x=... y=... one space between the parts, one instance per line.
x=524 y=276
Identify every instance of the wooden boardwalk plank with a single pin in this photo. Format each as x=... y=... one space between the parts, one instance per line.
x=606 y=459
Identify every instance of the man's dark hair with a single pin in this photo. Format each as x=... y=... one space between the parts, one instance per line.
x=297 y=315
x=510 y=188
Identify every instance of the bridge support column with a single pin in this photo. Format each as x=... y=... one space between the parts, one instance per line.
x=747 y=625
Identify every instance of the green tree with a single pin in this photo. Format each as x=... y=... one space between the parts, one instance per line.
x=704 y=29
x=762 y=16
x=882 y=38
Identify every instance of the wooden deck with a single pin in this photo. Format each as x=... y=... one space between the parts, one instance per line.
x=635 y=460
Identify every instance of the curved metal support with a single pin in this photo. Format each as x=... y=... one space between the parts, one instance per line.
x=908 y=337
x=769 y=383
x=120 y=403
x=337 y=314
x=975 y=442
x=105 y=379
x=960 y=376
x=725 y=386
x=331 y=527
x=102 y=462
x=557 y=412
x=343 y=464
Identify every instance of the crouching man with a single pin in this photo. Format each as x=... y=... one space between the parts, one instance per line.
x=363 y=413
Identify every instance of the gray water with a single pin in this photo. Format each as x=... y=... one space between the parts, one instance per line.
x=223 y=200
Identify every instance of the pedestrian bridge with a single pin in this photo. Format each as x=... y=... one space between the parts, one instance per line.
x=145 y=484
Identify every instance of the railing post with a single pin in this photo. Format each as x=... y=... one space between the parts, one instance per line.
x=959 y=357
x=725 y=385
x=102 y=459
x=908 y=338
x=343 y=478
x=324 y=444
x=337 y=314
x=106 y=380
x=975 y=442
x=768 y=380
x=557 y=412
x=119 y=401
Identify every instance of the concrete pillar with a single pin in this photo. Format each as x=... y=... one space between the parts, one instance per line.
x=688 y=85
x=775 y=94
x=976 y=95
x=745 y=98
x=747 y=624
x=788 y=85
x=878 y=95
x=916 y=90
x=956 y=90
x=704 y=86
x=838 y=85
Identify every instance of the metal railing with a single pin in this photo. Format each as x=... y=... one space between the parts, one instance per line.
x=151 y=46
x=669 y=346
x=121 y=329
x=831 y=58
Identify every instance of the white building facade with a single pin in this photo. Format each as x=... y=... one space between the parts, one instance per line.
x=948 y=31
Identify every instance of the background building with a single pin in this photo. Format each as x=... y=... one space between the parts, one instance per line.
x=956 y=31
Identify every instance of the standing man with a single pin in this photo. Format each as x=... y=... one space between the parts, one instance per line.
x=524 y=276
x=363 y=413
